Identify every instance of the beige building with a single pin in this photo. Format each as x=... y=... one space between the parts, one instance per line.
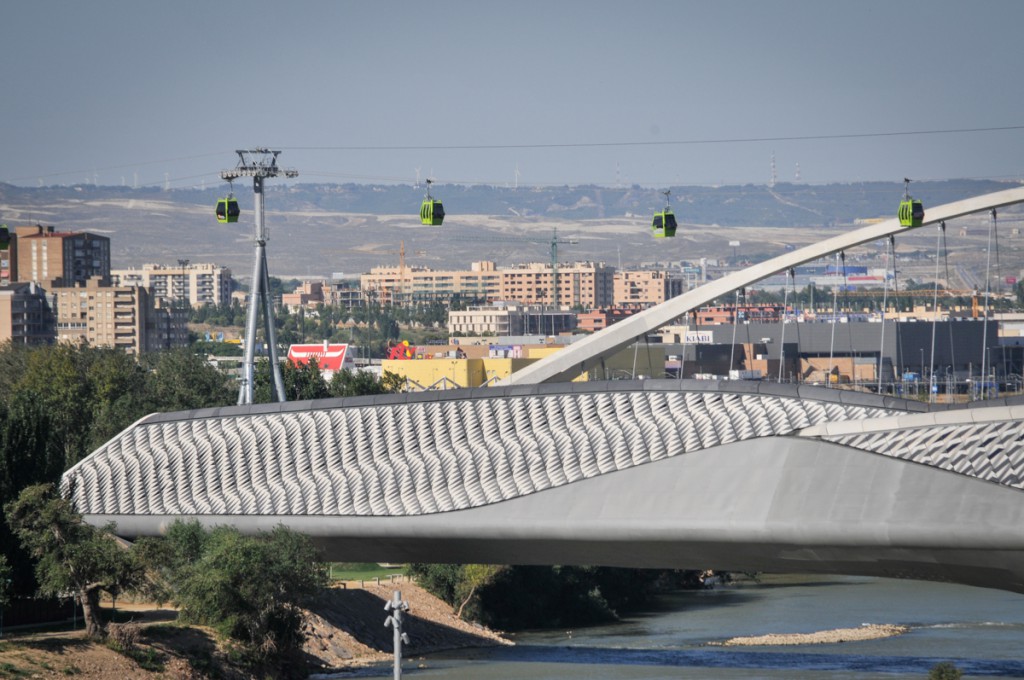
x=25 y=315
x=121 y=317
x=397 y=285
x=199 y=284
x=645 y=288
x=584 y=284
x=505 y=319
x=54 y=258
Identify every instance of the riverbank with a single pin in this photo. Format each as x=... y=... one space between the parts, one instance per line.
x=345 y=628
x=345 y=631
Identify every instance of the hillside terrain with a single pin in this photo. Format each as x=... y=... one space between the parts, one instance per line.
x=317 y=230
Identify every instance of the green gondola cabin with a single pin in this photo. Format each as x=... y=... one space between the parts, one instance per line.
x=664 y=224
x=227 y=210
x=432 y=212
x=911 y=212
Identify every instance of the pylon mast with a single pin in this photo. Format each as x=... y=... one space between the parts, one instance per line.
x=260 y=164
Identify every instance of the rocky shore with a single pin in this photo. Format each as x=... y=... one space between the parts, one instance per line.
x=869 y=631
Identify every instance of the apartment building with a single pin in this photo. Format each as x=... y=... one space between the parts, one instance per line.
x=199 y=284
x=398 y=285
x=127 y=318
x=25 y=314
x=308 y=293
x=581 y=284
x=8 y=256
x=645 y=288
x=56 y=258
x=504 y=319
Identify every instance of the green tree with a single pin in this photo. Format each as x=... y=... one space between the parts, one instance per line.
x=346 y=383
x=5 y=582
x=29 y=454
x=71 y=555
x=56 y=378
x=179 y=380
x=249 y=588
x=475 y=577
x=945 y=670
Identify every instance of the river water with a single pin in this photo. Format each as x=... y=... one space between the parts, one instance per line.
x=980 y=630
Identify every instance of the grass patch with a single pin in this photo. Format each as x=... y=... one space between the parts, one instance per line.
x=147 y=658
x=71 y=669
x=9 y=670
x=362 y=571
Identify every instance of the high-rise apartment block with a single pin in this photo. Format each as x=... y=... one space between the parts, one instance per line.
x=122 y=317
x=198 y=284
x=25 y=315
x=55 y=258
x=8 y=255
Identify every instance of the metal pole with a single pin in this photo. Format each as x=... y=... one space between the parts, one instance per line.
x=255 y=287
x=271 y=334
x=782 y=339
x=396 y=605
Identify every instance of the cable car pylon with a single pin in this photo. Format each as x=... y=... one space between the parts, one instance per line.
x=260 y=164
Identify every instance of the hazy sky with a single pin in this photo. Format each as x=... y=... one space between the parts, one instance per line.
x=571 y=92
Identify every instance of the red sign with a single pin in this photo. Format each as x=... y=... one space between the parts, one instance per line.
x=1011 y=280
x=328 y=357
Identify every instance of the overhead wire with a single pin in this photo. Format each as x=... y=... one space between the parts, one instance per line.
x=538 y=145
x=683 y=142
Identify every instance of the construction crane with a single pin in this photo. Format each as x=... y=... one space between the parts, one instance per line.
x=401 y=265
x=553 y=243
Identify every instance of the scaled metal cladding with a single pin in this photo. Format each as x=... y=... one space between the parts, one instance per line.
x=403 y=455
x=419 y=454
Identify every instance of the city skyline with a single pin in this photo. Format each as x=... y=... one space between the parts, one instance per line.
x=651 y=93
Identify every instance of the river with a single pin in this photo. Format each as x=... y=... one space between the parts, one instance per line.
x=980 y=630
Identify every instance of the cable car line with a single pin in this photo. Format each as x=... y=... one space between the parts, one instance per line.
x=682 y=142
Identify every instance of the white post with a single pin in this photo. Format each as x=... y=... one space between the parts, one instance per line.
x=396 y=606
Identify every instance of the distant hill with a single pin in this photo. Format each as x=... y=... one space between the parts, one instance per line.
x=317 y=229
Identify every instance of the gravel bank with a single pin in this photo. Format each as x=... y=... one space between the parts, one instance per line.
x=869 y=631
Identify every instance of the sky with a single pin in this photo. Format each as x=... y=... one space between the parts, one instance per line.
x=534 y=92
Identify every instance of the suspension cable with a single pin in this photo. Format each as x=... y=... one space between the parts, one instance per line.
x=945 y=259
x=885 y=304
x=832 y=341
x=999 y=280
x=785 y=306
x=849 y=319
x=899 y=316
x=932 y=389
x=988 y=292
x=735 y=323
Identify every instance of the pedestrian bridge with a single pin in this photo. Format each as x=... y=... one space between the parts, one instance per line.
x=741 y=476
x=656 y=473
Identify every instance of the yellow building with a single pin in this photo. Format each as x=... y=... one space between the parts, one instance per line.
x=443 y=370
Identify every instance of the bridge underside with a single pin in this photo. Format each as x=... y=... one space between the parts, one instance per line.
x=778 y=504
